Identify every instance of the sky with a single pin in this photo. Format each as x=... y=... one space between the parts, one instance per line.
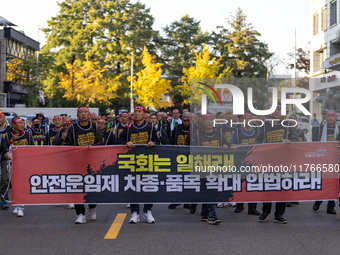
x=275 y=20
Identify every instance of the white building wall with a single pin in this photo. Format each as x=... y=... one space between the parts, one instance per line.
x=325 y=46
x=321 y=46
x=2 y=65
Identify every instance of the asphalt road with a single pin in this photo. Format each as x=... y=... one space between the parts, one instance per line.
x=51 y=230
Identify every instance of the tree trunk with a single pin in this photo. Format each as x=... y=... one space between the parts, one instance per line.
x=116 y=108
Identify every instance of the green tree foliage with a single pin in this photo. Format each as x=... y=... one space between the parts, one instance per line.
x=109 y=30
x=244 y=53
x=178 y=46
x=241 y=47
x=205 y=68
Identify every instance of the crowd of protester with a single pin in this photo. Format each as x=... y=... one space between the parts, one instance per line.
x=181 y=128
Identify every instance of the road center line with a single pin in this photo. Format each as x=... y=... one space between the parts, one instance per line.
x=115 y=227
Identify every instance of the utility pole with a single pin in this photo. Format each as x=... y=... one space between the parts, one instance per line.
x=295 y=61
x=295 y=82
x=131 y=104
x=38 y=39
x=268 y=91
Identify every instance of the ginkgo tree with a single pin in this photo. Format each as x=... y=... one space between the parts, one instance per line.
x=205 y=67
x=26 y=71
x=109 y=29
x=87 y=83
x=150 y=88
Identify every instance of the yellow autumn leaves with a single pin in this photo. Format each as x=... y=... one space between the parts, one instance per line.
x=87 y=83
x=205 y=67
x=150 y=88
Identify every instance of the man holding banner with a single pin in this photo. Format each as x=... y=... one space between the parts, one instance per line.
x=178 y=137
x=274 y=132
x=84 y=133
x=328 y=131
x=210 y=137
x=245 y=136
x=139 y=132
x=229 y=128
x=60 y=136
x=19 y=137
x=4 y=129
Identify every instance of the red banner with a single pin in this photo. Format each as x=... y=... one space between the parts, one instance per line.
x=175 y=174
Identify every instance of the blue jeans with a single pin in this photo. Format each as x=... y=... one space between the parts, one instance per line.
x=209 y=210
x=212 y=212
x=135 y=208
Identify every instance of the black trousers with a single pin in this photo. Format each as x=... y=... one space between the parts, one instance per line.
x=251 y=206
x=280 y=208
x=330 y=204
x=80 y=208
x=4 y=180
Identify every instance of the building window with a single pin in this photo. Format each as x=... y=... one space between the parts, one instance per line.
x=323 y=19
x=333 y=13
x=316 y=24
x=317 y=63
x=18 y=49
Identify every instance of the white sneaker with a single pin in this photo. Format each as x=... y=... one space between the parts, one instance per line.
x=220 y=205
x=20 y=212
x=233 y=204
x=148 y=216
x=128 y=206
x=81 y=219
x=15 y=211
x=134 y=218
x=70 y=206
x=92 y=212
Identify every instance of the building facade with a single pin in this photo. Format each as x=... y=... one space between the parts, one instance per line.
x=14 y=46
x=325 y=57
